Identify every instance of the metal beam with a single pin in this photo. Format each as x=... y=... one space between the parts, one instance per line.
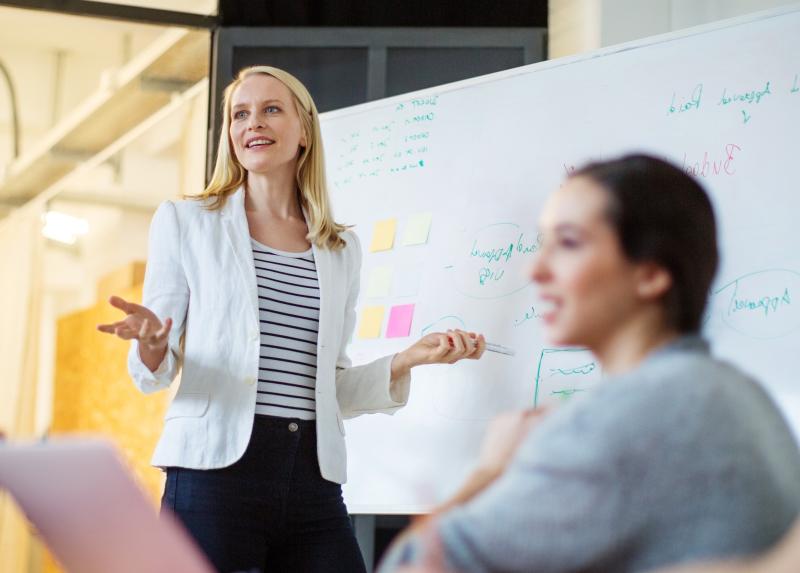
x=12 y=202
x=83 y=198
x=118 y=12
x=101 y=200
x=167 y=85
x=70 y=155
x=52 y=192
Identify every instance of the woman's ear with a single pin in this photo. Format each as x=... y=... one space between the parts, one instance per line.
x=653 y=281
x=303 y=140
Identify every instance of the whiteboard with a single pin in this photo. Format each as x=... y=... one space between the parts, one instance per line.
x=480 y=156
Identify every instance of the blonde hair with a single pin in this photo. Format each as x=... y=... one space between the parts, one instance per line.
x=229 y=174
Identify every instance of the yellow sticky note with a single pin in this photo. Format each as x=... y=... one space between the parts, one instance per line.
x=371 y=321
x=417 y=229
x=383 y=235
x=380 y=282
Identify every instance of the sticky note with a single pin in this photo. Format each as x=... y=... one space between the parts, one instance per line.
x=407 y=280
x=371 y=321
x=417 y=229
x=400 y=318
x=383 y=235
x=380 y=282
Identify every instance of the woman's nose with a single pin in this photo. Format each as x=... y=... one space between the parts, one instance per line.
x=539 y=270
x=255 y=121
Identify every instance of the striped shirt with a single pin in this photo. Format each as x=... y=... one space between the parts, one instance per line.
x=288 y=308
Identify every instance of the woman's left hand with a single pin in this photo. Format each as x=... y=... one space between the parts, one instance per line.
x=503 y=437
x=440 y=348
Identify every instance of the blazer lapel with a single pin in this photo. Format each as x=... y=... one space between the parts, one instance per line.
x=235 y=223
x=322 y=258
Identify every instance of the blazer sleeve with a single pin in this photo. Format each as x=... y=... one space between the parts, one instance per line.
x=364 y=389
x=166 y=293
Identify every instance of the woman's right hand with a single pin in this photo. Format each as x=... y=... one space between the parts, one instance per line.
x=141 y=324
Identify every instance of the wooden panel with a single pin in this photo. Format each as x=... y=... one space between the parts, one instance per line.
x=94 y=393
x=119 y=280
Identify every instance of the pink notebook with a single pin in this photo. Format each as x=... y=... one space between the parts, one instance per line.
x=91 y=513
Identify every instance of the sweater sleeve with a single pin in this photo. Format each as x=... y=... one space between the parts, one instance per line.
x=557 y=508
x=682 y=459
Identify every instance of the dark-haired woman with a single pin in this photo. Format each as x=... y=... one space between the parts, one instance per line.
x=676 y=457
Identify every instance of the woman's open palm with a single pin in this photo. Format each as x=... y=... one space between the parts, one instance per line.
x=141 y=324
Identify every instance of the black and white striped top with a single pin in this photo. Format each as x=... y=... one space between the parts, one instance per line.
x=288 y=308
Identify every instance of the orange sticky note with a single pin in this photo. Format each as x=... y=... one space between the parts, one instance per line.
x=383 y=235
x=371 y=321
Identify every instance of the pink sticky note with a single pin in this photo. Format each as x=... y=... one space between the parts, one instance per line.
x=400 y=318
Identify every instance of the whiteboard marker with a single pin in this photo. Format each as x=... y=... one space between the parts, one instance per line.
x=500 y=349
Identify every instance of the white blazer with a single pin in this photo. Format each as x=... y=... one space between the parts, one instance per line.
x=200 y=273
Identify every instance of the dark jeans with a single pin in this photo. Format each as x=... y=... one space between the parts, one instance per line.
x=271 y=510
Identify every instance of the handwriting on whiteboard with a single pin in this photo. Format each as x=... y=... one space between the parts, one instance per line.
x=714 y=164
x=397 y=141
x=491 y=260
x=760 y=304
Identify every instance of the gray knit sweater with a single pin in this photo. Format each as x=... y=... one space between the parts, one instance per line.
x=684 y=458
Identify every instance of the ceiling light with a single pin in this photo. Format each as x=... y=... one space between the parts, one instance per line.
x=63 y=228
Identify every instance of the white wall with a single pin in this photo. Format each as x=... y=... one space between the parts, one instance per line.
x=577 y=26
x=573 y=27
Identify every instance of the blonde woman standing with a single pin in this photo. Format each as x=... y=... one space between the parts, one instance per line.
x=250 y=290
